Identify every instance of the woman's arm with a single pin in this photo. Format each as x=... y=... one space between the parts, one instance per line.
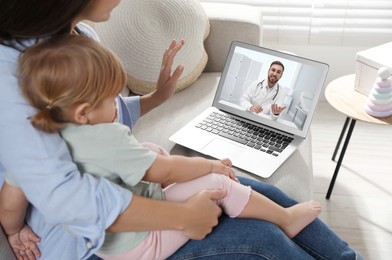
x=13 y=205
x=196 y=217
x=175 y=168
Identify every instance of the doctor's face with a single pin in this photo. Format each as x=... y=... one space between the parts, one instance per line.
x=274 y=74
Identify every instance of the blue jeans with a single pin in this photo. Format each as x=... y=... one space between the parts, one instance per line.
x=256 y=239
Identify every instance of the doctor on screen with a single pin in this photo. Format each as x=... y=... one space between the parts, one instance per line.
x=266 y=96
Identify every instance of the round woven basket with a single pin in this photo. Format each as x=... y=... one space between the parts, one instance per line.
x=140 y=31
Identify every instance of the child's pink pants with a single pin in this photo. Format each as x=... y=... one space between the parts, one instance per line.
x=162 y=244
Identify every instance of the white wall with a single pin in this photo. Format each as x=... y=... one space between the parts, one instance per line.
x=340 y=58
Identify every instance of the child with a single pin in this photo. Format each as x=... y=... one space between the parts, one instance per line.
x=73 y=83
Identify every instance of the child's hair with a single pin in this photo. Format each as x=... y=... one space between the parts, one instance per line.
x=64 y=71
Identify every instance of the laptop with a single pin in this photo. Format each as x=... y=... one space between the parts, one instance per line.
x=258 y=143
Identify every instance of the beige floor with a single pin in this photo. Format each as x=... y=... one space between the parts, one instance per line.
x=360 y=208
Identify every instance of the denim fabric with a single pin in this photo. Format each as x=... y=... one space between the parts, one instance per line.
x=255 y=239
x=249 y=239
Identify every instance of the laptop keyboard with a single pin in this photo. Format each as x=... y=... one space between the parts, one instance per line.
x=245 y=133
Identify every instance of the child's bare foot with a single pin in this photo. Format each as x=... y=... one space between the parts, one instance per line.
x=302 y=215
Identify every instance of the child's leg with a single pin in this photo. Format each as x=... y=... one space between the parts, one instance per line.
x=233 y=203
x=157 y=245
x=243 y=202
x=291 y=220
x=162 y=244
x=240 y=201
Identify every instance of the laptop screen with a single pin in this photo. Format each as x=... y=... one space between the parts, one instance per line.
x=270 y=87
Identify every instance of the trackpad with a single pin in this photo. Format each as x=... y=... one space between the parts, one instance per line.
x=220 y=149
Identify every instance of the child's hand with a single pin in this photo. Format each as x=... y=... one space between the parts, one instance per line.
x=224 y=167
x=24 y=244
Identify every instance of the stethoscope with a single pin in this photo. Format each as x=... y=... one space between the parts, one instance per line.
x=261 y=84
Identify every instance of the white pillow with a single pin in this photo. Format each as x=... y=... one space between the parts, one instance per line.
x=139 y=32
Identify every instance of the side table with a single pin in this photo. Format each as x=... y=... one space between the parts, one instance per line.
x=341 y=95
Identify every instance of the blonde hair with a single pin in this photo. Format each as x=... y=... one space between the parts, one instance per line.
x=62 y=72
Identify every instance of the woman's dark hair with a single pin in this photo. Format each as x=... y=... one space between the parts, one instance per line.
x=29 y=19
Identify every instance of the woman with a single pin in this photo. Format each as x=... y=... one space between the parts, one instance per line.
x=70 y=213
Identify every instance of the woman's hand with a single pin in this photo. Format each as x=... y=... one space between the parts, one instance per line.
x=202 y=213
x=24 y=244
x=224 y=167
x=167 y=81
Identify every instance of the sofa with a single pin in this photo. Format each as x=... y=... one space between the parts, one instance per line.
x=227 y=22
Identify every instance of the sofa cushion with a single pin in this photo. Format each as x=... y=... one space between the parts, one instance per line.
x=140 y=31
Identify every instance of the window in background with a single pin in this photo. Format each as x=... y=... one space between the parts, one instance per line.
x=324 y=22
